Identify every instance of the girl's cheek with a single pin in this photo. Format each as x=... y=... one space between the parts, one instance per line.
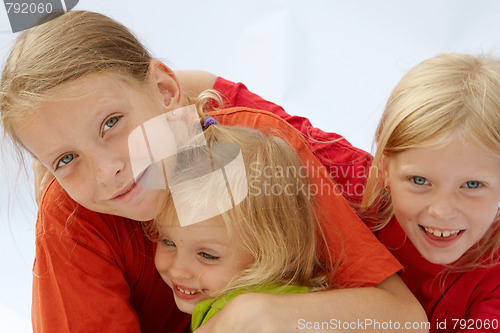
x=162 y=260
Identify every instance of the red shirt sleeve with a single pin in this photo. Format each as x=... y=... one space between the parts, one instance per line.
x=95 y=273
x=347 y=165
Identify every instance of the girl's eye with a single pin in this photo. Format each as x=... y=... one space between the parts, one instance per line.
x=473 y=184
x=168 y=243
x=65 y=160
x=110 y=123
x=208 y=256
x=419 y=180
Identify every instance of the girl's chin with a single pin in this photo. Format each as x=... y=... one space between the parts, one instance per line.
x=440 y=261
x=438 y=250
x=186 y=308
x=439 y=256
x=141 y=215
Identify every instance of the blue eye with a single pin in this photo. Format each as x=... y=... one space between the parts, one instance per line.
x=473 y=184
x=65 y=160
x=208 y=256
x=168 y=243
x=419 y=180
x=110 y=123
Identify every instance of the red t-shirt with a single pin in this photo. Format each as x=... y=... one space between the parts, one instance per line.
x=95 y=272
x=466 y=300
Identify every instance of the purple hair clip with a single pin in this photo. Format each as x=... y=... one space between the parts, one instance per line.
x=209 y=121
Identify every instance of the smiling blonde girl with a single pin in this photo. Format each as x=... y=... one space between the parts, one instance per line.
x=436 y=182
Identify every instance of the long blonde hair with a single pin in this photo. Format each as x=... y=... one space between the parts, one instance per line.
x=281 y=231
x=66 y=48
x=448 y=97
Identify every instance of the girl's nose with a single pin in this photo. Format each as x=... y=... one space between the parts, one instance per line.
x=181 y=269
x=443 y=206
x=107 y=166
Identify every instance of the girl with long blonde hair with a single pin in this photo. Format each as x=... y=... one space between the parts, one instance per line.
x=269 y=241
x=434 y=190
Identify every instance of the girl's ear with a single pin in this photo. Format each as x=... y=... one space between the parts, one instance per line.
x=165 y=85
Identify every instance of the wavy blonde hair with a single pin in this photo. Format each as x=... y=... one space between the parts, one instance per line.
x=66 y=48
x=282 y=232
x=448 y=97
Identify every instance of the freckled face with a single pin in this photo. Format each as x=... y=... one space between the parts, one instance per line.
x=445 y=198
x=199 y=259
x=81 y=135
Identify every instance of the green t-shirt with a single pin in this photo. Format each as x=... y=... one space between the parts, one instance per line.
x=205 y=309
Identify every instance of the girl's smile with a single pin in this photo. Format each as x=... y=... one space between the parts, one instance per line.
x=441 y=238
x=132 y=190
x=444 y=197
x=187 y=293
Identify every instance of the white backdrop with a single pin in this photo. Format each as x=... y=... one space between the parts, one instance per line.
x=334 y=61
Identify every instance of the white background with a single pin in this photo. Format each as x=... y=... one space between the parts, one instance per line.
x=334 y=61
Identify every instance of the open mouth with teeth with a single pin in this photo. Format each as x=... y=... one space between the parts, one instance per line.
x=186 y=293
x=441 y=234
x=189 y=292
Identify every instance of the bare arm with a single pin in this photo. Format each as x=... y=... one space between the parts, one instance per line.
x=389 y=307
x=193 y=82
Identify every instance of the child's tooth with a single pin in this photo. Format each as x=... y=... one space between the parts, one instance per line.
x=187 y=292
x=437 y=233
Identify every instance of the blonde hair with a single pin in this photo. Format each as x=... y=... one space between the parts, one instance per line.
x=280 y=231
x=66 y=48
x=448 y=97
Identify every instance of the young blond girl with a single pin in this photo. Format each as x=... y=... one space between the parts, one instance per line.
x=267 y=242
x=72 y=91
x=436 y=185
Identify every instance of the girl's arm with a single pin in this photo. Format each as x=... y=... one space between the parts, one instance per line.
x=193 y=82
x=389 y=307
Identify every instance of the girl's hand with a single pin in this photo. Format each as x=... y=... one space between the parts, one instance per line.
x=42 y=179
x=245 y=313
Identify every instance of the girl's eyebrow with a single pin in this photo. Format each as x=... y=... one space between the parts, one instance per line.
x=50 y=156
x=409 y=169
x=210 y=241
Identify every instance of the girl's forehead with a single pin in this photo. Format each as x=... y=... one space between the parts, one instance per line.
x=212 y=231
x=215 y=223
x=91 y=87
x=462 y=138
x=102 y=82
x=456 y=156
